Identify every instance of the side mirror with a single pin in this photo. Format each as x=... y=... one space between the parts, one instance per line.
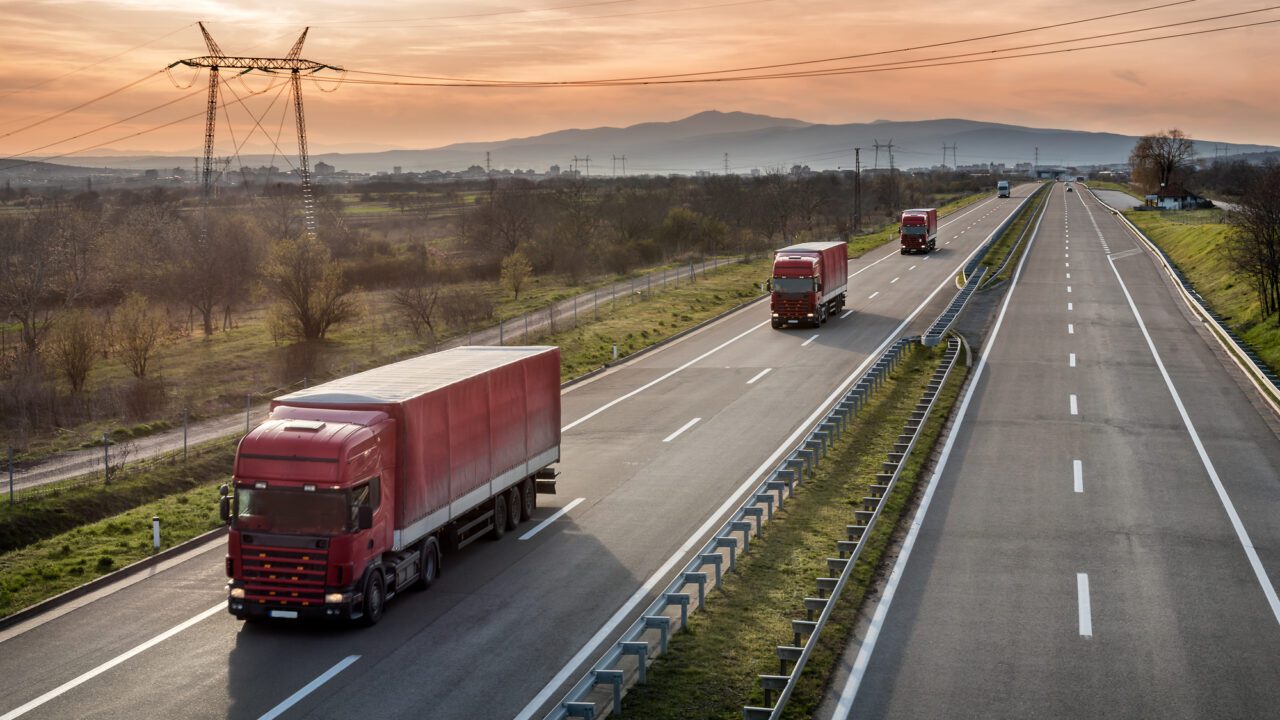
x=224 y=490
x=364 y=517
x=224 y=508
x=768 y=285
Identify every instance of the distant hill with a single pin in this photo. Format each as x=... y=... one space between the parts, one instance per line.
x=699 y=142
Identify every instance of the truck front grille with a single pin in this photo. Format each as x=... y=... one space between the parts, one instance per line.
x=283 y=576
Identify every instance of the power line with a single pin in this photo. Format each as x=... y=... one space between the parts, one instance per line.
x=84 y=104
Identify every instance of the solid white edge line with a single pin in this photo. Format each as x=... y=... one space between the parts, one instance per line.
x=1077 y=473
x=555 y=516
x=811 y=339
x=683 y=427
x=850 y=690
x=81 y=679
x=1255 y=562
x=762 y=373
x=309 y=688
x=642 y=592
x=662 y=377
x=1082 y=600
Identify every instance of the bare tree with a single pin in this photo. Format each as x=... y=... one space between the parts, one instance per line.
x=1161 y=159
x=74 y=346
x=1255 y=247
x=310 y=287
x=418 y=306
x=139 y=330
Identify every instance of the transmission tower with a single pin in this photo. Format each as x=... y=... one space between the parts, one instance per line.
x=291 y=63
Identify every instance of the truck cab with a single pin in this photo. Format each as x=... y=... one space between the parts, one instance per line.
x=310 y=506
x=1002 y=188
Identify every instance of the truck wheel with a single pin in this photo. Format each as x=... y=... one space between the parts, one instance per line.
x=428 y=564
x=374 y=597
x=528 y=493
x=513 y=507
x=499 y=518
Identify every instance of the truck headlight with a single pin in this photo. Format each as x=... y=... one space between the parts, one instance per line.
x=335 y=598
x=236 y=593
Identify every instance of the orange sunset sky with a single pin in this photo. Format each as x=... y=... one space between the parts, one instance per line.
x=1215 y=86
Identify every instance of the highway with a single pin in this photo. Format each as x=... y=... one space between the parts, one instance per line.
x=654 y=450
x=1102 y=535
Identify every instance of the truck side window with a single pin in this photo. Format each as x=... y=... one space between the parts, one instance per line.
x=369 y=493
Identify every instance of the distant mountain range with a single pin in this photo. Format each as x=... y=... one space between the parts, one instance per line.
x=700 y=142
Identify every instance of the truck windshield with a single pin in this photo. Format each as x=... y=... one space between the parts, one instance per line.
x=292 y=512
x=793 y=285
x=914 y=230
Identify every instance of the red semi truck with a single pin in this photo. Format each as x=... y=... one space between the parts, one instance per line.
x=351 y=491
x=809 y=283
x=918 y=230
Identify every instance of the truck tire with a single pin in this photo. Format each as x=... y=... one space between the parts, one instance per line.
x=499 y=519
x=375 y=597
x=428 y=563
x=529 y=496
x=513 y=507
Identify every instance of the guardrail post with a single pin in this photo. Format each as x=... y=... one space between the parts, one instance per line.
x=614 y=678
x=715 y=560
x=184 y=436
x=699 y=579
x=640 y=649
x=10 y=477
x=731 y=543
x=767 y=499
x=580 y=710
x=756 y=513
x=106 y=458
x=155 y=532
x=663 y=624
x=248 y=399
x=681 y=599
x=744 y=527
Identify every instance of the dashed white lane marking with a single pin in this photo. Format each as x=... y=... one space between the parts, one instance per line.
x=1075 y=407
x=1070 y=307
x=762 y=373
x=1082 y=597
x=1071 y=360
x=846 y=314
x=895 y=280
x=555 y=516
x=1077 y=473
x=309 y=688
x=684 y=427
x=873 y=295
x=913 y=267
x=1071 y=329
x=811 y=339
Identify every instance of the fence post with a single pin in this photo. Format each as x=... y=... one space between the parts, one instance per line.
x=613 y=292
x=596 y=304
x=247 y=400
x=501 y=324
x=551 y=318
x=526 y=328
x=155 y=533
x=10 y=477
x=184 y=436
x=575 y=312
x=106 y=458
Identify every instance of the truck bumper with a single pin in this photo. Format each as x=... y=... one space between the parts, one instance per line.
x=245 y=609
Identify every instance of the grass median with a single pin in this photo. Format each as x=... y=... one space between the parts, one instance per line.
x=1003 y=247
x=712 y=671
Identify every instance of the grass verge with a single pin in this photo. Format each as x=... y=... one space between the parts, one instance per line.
x=1196 y=241
x=711 y=671
x=59 y=540
x=1003 y=246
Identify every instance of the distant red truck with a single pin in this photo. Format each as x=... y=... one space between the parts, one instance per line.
x=918 y=230
x=809 y=283
x=351 y=491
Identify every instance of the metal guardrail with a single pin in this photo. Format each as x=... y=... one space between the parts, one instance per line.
x=849 y=551
x=1013 y=249
x=1260 y=370
x=939 y=328
x=719 y=555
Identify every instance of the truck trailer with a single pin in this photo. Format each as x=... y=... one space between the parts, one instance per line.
x=352 y=491
x=1002 y=189
x=809 y=283
x=918 y=230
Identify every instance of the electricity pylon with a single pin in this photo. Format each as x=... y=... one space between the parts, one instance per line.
x=291 y=63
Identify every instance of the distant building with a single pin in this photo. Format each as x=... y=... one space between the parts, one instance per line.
x=1175 y=197
x=553 y=171
x=151 y=175
x=396 y=170
x=324 y=169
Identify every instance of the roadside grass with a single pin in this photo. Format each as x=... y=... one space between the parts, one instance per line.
x=1196 y=241
x=711 y=671
x=1000 y=248
x=57 y=540
x=211 y=376
x=1108 y=185
x=62 y=506
x=59 y=563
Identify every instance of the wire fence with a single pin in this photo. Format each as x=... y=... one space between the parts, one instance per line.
x=117 y=452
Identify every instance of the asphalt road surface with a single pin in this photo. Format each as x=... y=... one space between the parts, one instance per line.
x=1103 y=536
x=498 y=635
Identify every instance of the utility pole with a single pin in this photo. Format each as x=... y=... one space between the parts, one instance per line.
x=487 y=171
x=893 y=180
x=624 y=166
x=945 y=147
x=877 y=145
x=857 y=189
x=614 y=171
x=726 y=164
x=587 y=159
x=1035 y=166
